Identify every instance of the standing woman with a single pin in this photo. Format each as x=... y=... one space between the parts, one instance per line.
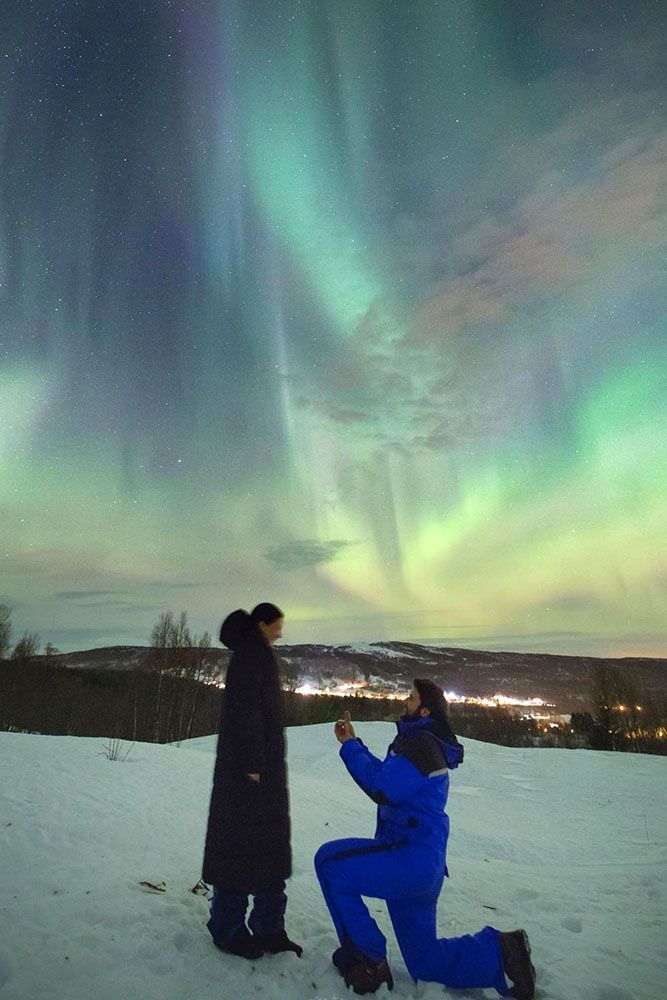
x=248 y=838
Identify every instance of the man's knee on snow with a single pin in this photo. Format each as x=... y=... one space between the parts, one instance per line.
x=425 y=965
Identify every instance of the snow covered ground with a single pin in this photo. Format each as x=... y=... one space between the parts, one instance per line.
x=571 y=845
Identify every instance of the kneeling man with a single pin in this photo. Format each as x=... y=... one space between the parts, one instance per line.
x=405 y=864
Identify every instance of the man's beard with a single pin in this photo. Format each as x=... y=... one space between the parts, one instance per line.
x=411 y=716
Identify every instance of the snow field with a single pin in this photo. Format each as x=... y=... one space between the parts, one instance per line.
x=571 y=845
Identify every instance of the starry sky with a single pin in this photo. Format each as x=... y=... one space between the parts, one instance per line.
x=359 y=308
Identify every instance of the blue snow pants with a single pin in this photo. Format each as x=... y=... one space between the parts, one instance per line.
x=228 y=910
x=409 y=877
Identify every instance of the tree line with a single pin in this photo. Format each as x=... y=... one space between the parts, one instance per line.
x=29 y=644
x=624 y=716
x=152 y=705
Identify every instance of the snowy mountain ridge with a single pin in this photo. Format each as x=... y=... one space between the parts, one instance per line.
x=389 y=667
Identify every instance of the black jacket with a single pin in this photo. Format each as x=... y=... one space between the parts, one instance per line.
x=248 y=836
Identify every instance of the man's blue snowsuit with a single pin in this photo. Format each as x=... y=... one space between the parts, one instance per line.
x=405 y=863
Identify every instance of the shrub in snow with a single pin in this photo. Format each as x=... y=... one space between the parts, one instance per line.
x=114 y=750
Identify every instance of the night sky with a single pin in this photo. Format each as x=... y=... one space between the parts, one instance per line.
x=357 y=307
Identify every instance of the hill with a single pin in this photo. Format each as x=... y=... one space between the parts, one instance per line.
x=388 y=668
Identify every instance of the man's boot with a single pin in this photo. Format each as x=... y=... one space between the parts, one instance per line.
x=342 y=959
x=367 y=976
x=515 y=951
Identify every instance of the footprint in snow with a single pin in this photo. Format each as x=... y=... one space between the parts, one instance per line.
x=612 y=993
x=526 y=894
x=183 y=941
x=6 y=970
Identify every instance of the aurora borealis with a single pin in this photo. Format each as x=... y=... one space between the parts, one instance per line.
x=356 y=307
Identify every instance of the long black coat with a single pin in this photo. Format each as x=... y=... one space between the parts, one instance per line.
x=248 y=836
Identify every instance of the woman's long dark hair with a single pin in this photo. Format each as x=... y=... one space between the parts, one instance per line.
x=266 y=612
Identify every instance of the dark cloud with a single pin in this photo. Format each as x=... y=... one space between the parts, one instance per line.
x=75 y=638
x=560 y=634
x=573 y=602
x=125 y=605
x=306 y=552
x=122 y=599
x=346 y=416
x=79 y=595
x=440 y=438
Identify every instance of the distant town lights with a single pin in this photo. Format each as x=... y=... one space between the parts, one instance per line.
x=496 y=700
x=362 y=688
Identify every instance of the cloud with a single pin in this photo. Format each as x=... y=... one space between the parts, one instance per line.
x=75 y=637
x=78 y=595
x=561 y=210
x=333 y=411
x=571 y=603
x=564 y=643
x=552 y=237
x=84 y=595
x=125 y=605
x=306 y=552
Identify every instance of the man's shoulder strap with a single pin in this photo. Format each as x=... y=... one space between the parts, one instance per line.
x=424 y=751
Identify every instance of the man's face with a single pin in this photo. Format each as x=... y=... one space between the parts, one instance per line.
x=272 y=632
x=412 y=704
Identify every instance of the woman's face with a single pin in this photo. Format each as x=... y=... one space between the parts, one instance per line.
x=272 y=632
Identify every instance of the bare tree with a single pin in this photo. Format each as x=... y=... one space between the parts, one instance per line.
x=623 y=713
x=26 y=647
x=181 y=638
x=291 y=675
x=51 y=650
x=161 y=643
x=200 y=671
x=5 y=629
x=170 y=638
x=162 y=630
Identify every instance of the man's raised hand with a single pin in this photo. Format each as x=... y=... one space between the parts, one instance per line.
x=344 y=730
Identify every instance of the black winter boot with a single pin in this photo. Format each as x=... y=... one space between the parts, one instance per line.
x=367 y=976
x=244 y=945
x=279 y=941
x=342 y=959
x=515 y=951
